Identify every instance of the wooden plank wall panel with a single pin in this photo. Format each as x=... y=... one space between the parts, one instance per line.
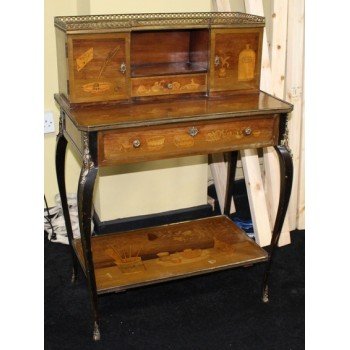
x=272 y=81
x=221 y=5
x=271 y=164
x=277 y=78
x=294 y=94
x=279 y=46
x=301 y=189
x=218 y=169
x=279 y=17
x=255 y=7
x=256 y=196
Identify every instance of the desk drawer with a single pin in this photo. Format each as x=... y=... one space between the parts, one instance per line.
x=168 y=85
x=149 y=143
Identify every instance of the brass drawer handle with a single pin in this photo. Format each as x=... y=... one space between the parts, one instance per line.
x=169 y=86
x=136 y=143
x=217 y=61
x=193 y=131
x=247 y=131
x=122 y=68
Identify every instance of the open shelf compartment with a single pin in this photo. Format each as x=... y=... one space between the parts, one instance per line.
x=169 y=52
x=176 y=68
x=157 y=254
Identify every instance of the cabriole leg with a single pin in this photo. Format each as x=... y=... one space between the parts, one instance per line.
x=286 y=180
x=61 y=146
x=85 y=192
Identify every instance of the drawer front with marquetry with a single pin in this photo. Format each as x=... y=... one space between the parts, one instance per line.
x=168 y=85
x=143 y=144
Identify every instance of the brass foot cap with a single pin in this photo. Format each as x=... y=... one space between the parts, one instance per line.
x=265 y=299
x=96 y=335
x=265 y=296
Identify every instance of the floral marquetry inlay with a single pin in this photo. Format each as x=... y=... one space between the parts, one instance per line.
x=183 y=141
x=246 y=64
x=163 y=87
x=155 y=143
x=227 y=134
x=96 y=87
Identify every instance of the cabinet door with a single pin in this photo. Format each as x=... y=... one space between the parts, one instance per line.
x=99 y=67
x=235 y=59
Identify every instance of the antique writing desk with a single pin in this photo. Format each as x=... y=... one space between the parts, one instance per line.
x=141 y=87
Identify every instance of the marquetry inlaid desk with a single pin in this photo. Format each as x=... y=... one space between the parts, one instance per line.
x=135 y=88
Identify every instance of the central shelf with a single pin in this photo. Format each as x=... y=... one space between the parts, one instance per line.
x=158 y=254
x=168 y=69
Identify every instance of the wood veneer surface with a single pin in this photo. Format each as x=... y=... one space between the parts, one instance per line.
x=163 y=141
x=168 y=69
x=151 y=255
x=102 y=117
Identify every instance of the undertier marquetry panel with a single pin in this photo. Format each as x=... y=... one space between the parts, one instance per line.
x=141 y=144
x=151 y=255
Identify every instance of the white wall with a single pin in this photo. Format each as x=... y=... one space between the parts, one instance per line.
x=55 y=8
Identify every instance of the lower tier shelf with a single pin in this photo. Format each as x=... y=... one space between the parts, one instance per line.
x=162 y=253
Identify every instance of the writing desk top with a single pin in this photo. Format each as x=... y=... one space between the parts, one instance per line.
x=103 y=117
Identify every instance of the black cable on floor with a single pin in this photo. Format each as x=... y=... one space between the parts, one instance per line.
x=48 y=218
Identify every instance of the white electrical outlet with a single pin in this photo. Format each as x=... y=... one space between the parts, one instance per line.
x=49 y=125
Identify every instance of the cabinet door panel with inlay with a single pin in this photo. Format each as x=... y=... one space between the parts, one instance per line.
x=235 y=59
x=98 y=67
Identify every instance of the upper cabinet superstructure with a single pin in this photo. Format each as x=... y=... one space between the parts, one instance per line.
x=123 y=58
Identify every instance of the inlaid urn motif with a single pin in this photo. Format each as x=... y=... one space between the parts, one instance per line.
x=246 y=64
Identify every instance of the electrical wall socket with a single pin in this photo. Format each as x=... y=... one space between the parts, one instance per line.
x=49 y=125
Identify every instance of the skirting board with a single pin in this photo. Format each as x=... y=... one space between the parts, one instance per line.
x=135 y=222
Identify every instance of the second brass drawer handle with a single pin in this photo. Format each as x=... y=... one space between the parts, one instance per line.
x=247 y=131
x=136 y=143
x=193 y=131
x=169 y=86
